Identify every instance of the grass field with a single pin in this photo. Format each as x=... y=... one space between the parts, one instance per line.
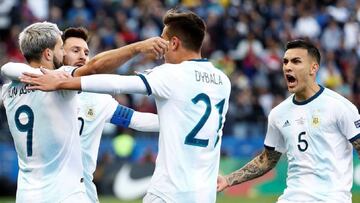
x=221 y=199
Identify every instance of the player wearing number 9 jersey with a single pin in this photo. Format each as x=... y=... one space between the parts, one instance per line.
x=316 y=128
x=192 y=99
x=44 y=126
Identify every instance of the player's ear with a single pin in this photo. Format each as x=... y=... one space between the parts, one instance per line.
x=175 y=43
x=48 y=54
x=314 y=68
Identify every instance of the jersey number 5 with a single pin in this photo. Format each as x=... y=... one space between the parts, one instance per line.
x=302 y=147
x=190 y=138
x=26 y=127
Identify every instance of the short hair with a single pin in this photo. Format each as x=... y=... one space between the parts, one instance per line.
x=187 y=26
x=37 y=37
x=304 y=44
x=77 y=32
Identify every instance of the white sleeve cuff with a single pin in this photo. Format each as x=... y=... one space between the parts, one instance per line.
x=13 y=71
x=145 y=122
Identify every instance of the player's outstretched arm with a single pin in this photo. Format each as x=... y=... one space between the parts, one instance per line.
x=108 y=61
x=140 y=121
x=356 y=145
x=257 y=167
x=50 y=80
x=101 y=83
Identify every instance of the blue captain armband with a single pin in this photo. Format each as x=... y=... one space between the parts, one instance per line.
x=122 y=116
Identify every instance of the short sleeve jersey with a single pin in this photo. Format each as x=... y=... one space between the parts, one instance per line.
x=192 y=100
x=315 y=135
x=94 y=111
x=45 y=131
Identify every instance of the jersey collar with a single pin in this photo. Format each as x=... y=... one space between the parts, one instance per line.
x=310 y=99
x=200 y=60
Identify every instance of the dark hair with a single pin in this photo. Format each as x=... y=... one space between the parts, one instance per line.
x=78 y=32
x=187 y=26
x=303 y=44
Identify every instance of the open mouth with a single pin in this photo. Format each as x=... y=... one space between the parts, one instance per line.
x=291 y=80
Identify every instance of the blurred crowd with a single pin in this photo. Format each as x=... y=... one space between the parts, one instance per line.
x=245 y=38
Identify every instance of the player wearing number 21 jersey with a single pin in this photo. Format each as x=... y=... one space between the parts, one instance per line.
x=192 y=98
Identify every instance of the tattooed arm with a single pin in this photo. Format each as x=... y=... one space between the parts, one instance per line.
x=356 y=145
x=260 y=165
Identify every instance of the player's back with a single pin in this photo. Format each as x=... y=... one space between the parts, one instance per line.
x=192 y=100
x=45 y=133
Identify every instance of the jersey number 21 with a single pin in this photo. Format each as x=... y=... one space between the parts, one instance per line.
x=190 y=138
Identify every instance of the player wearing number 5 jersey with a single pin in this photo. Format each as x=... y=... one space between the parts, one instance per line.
x=316 y=128
x=192 y=100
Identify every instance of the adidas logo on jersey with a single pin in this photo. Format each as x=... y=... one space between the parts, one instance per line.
x=286 y=124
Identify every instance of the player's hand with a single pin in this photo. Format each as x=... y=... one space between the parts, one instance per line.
x=49 y=81
x=221 y=183
x=155 y=45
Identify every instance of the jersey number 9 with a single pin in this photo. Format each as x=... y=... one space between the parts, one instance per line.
x=26 y=127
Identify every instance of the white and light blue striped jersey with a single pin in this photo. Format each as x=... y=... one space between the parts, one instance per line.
x=315 y=135
x=45 y=131
x=94 y=111
x=192 y=100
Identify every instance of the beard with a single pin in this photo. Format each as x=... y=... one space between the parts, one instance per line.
x=57 y=63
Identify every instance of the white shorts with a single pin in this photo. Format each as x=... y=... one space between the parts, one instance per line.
x=151 y=198
x=79 y=197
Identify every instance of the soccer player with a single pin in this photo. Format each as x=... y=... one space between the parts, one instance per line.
x=44 y=126
x=93 y=119
x=315 y=127
x=191 y=96
x=97 y=109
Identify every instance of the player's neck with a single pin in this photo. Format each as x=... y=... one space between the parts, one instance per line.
x=307 y=92
x=187 y=55
x=38 y=64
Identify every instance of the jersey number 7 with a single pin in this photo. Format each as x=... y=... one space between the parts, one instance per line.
x=190 y=138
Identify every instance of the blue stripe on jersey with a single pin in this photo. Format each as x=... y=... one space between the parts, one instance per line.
x=148 y=88
x=200 y=60
x=122 y=116
x=355 y=138
x=310 y=99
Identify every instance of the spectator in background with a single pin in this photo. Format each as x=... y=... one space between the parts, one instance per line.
x=331 y=38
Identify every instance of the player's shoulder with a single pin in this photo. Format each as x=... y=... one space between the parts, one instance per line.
x=166 y=67
x=284 y=106
x=95 y=98
x=12 y=64
x=336 y=100
x=68 y=69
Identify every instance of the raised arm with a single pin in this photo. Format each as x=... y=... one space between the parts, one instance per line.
x=257 y=167
x=107 y=61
